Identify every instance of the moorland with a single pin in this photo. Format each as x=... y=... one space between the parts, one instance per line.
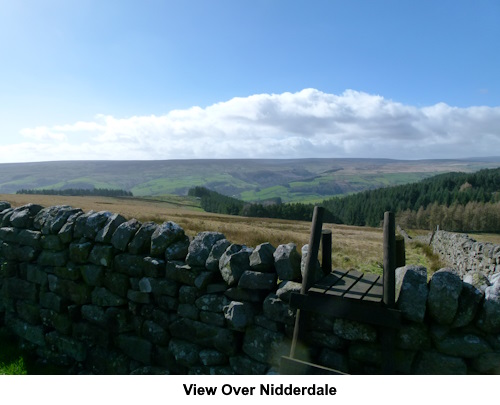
x=291 y=180
x=358 y=247
x=160 y=191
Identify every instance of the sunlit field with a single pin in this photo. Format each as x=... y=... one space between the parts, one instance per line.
x=352 y=247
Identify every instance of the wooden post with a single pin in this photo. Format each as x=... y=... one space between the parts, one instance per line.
x=312 y=255
x=326 y=251
x=389 y=259
x=308 y=277
x=400 y=252
x=388 y=335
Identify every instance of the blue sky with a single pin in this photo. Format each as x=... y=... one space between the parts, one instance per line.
x=94 y=79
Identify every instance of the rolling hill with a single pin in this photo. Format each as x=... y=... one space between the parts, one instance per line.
x=292 y=180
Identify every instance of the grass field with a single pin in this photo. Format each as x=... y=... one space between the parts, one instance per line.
x=320 y=188
x=353 y=247
x=486 y=237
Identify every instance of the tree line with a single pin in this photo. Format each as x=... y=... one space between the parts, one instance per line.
x=446 y=190
x=454 y=201
x=212 y=201
x=101 y=192
x=473 y=216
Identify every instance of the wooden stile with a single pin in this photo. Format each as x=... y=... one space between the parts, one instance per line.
x=346 y=294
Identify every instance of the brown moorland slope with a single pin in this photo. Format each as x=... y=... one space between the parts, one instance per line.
x=353 y=247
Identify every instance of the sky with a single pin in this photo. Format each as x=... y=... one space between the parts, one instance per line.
x=187 y=79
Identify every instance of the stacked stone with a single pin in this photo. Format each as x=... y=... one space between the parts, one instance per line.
x=20 y=282
x=199 y=339
x=222 y=311
x=451 y=326
x=265 y=339
x=89 y=288
x=108 y=295
x=465 y=254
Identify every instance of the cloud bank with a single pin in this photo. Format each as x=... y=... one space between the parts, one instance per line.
x=308 y=123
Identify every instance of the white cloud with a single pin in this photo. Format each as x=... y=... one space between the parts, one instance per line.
x=80 y=126
x=43 y=134
x=308 y=123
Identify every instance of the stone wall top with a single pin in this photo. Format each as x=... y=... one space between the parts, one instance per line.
x=466 y=254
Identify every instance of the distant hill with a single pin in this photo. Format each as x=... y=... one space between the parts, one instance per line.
x=292 y=180
x=455 y=201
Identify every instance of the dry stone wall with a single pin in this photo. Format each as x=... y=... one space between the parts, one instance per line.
x=467 y=255
x=101 y=294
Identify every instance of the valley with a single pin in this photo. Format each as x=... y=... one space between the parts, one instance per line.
x=291 y=180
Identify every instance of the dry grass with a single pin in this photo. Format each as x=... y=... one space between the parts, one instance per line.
x=486 y=237
x=250 y=231
x=353 y=247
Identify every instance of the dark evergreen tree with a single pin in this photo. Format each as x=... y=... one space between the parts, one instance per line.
x=103 y=192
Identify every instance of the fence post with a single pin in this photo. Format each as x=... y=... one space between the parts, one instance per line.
x=389 y=259
x=326 y=251
x=308 y=277
x=312 y=255
x=388 y=335
x=400 y=252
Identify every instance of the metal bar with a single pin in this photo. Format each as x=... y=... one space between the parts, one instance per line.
x=290 y=366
